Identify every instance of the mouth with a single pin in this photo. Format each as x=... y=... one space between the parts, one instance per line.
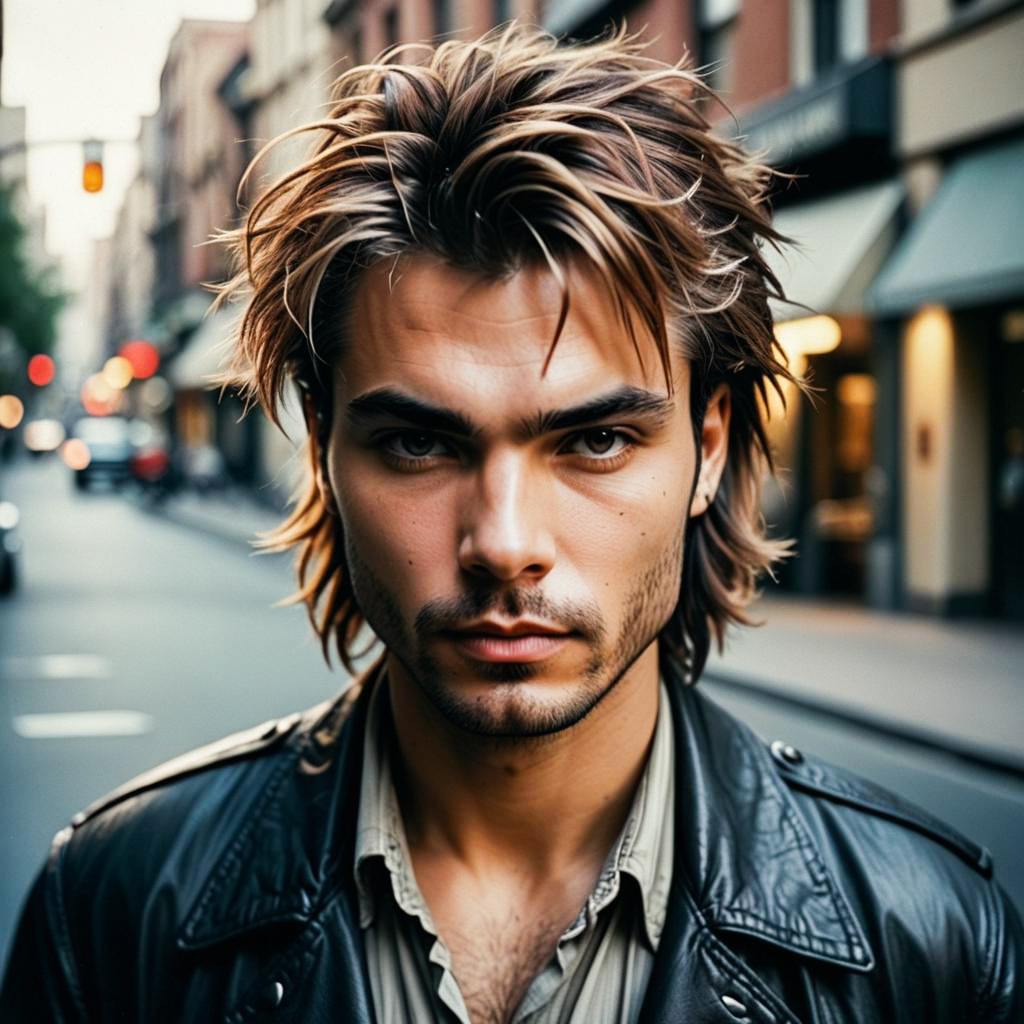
x=519 y=641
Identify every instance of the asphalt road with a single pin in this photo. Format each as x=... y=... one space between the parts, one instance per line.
x=122 y=611
x=133 y=639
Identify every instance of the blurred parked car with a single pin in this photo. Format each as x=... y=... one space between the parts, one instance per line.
x=107 y=453
x=10 y=544
x=152 y=467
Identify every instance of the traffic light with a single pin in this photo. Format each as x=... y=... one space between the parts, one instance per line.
x=92 y=165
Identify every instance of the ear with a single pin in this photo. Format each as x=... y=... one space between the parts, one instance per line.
x=714 y=447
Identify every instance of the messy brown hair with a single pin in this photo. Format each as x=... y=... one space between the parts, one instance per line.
x=497 y=154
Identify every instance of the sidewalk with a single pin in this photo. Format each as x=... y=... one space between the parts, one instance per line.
x=952 y=684
x=957 y=685
x=232 y=515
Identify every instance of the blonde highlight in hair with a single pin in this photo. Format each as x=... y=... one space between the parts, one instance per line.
x=496 y=155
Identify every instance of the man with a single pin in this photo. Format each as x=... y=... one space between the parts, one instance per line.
x=522 y=290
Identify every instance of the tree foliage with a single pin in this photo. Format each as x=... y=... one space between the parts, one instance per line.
x=30 y=297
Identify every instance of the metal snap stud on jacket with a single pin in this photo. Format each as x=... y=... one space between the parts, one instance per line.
x=786 y=753
x=735 y=1007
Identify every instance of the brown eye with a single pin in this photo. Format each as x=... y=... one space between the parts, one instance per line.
x=599 y=441
x=599 y=444
x=417 y=445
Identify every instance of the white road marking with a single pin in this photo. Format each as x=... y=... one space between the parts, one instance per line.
x=67 y=724
x=57 y=666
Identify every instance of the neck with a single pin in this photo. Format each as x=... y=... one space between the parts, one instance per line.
x=539 y=805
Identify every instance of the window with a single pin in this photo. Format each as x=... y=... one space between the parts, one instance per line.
x=442 y=17
x=501 y=11
x=826 y=34
x=391 y=26
x=717 y=41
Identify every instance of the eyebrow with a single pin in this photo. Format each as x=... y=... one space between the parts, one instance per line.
x=390 y=403
x=625 y=401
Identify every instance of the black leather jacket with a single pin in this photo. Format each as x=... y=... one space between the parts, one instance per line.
x=219 y=888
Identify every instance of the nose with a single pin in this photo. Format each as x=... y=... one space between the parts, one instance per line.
x=506 y=522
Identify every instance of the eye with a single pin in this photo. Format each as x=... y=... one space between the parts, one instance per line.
x=598 y=443
x=414 y=444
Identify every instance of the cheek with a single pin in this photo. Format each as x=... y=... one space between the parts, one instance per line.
x=400 y=533
x=632 y=521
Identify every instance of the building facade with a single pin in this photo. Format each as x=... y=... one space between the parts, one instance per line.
x=133 y=262
x=952 y=297
x=897 y=130
x=199 y=164
x=902 y=123
x=203 y=141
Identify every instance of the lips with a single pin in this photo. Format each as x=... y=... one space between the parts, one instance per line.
x=508 y=642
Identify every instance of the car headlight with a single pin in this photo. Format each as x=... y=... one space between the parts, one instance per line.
x=9 y=515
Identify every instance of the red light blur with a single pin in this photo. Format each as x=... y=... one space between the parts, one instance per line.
x=143 y=356
x=151 y=465
x=41 y=370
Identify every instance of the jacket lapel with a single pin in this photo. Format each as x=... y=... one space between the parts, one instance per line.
x=745 y=862
x=284 y=877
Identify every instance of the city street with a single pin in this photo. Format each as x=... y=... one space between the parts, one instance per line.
x=133 y=638
x=121 y=611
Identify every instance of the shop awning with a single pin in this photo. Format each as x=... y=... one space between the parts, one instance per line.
x=841 y=243
x=205 y=353
x=967 y=246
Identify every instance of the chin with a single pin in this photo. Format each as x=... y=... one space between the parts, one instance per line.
x=513 y=700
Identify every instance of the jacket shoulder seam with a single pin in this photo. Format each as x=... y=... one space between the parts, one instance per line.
x=819 y=779
x=236 y=747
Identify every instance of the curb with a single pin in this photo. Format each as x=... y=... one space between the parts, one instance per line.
x=212 y=525
x=997 y=761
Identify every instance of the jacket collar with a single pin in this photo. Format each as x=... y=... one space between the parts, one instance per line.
x=295 y=846
x=749 y=861
x=745 y=860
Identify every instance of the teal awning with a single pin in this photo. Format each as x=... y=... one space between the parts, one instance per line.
x=966 y=247
x=839 y=243
x=207 y=351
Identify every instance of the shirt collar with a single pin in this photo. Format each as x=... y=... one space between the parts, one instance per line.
x=643 y=850
x=748 y=862
x=380 y=832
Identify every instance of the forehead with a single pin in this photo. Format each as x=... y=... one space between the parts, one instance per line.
x=459 y=337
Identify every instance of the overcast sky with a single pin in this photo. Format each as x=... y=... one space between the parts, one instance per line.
x=88 y=68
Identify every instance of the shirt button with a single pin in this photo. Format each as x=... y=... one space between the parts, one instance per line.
x=785 y=753
x=735 y=1007
x=274 y=993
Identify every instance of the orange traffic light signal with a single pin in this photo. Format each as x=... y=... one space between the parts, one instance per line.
x=92 y=167
x=92 y=176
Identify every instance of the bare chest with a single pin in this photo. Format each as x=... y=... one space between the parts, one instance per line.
x=496 y=958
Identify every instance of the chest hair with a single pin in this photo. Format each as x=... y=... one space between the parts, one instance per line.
x=494 y=963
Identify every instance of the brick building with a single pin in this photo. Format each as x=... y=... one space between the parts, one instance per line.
x=900 y=123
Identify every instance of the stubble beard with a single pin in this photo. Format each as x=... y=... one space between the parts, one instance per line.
x=508 y=713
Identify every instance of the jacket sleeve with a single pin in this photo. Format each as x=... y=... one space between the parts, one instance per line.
x=1002 y=999
x=40 y=985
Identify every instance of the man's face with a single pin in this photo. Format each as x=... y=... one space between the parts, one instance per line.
x=514 y=535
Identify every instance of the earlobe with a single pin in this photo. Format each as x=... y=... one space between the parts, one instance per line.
x=714 y=447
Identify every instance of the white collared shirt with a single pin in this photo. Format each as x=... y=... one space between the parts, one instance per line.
x=602 y=961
